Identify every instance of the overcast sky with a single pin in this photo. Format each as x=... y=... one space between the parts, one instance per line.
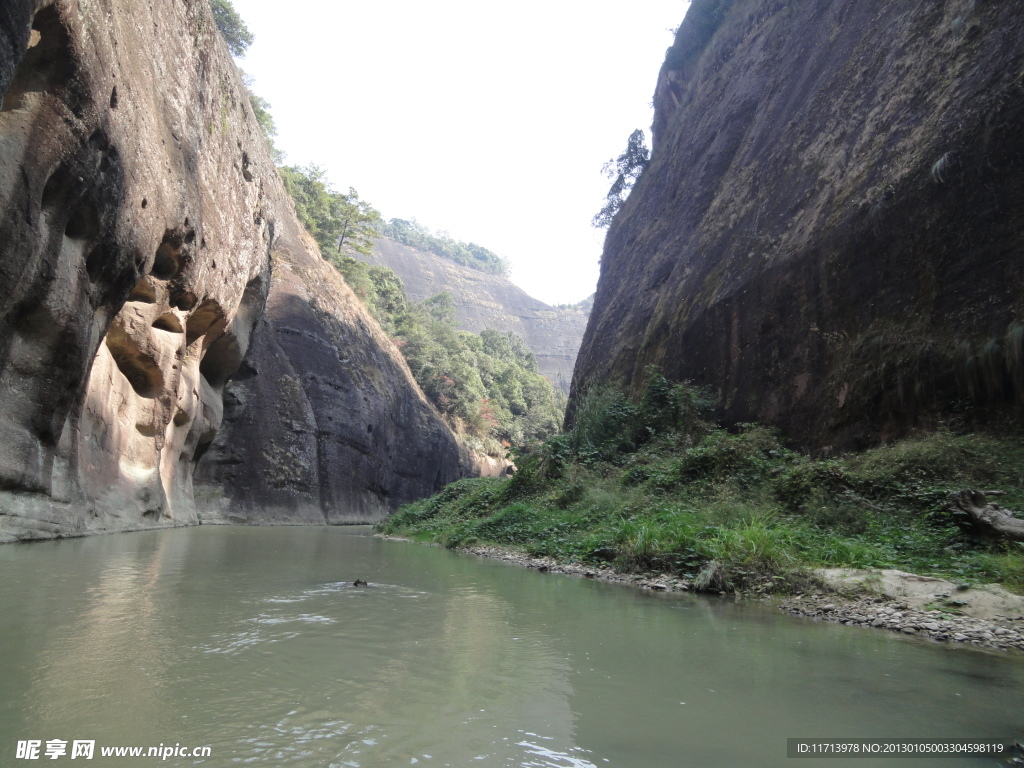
x=489 y=120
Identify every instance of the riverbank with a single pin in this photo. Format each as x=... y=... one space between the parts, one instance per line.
x=655 y=487
x=894 y=601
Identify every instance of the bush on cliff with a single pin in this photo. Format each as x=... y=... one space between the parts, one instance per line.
x=655 y=485
x=487 y=387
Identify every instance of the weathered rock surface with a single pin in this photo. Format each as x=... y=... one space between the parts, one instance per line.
x=829 y=230
x=484 y=300
x=135 y=231
x=139 y=210
x=324 y=422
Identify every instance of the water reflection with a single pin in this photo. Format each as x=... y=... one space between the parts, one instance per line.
x=255 y=642
x=119 y=629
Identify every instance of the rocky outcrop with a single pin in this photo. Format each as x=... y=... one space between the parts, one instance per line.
x=136 y=232
x=484 y=300
x=324 y=423
x=829 y=232
x=139 y=211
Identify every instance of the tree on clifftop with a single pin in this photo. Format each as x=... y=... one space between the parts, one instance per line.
x=625 y=170
x=336 y=221
x=357 y=219
x=235 y=33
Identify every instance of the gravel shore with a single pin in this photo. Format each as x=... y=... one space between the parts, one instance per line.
x=999 y=632
x=1002 y=633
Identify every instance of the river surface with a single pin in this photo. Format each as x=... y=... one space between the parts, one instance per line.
x=254 y=642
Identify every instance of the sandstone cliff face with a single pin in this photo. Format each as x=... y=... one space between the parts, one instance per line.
x=484 y=300
x=829 y=233
x=139 y=211
x=324 y=423
x=135 y=231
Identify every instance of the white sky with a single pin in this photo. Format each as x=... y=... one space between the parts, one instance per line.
x=489 y=120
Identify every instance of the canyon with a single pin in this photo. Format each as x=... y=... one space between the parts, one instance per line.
x=485 y=300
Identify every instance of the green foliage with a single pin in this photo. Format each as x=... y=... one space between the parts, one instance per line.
x=744 y=460
x=338 y=222
x=606 y=425
x=441 y=308
x=624 y=170
x=584 y=305
x=487 y=386
x=444 y=245
x=653 y=485
x=261 y=108
x=236 y=34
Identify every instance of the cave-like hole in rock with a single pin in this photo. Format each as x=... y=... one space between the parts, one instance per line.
x=222 y=359
x=143 y=291
x=47 y=64
x=57 y=188
x=183 y=300
x=139 y=368
x=98 y=258
x=83 y=223
x=203 y=319
x=168 y=262
x=168 y=322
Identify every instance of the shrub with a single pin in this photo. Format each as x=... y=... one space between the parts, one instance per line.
x=746 y=459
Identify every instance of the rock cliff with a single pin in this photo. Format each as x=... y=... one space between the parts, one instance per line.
x=324 y=423
x=484 y=300
x=139 y=214
x=829 y=232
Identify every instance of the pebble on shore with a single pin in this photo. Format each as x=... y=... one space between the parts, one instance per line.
x=883 y=613
x=865 y=611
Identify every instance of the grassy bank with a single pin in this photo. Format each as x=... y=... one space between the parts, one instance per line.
x=657 y=486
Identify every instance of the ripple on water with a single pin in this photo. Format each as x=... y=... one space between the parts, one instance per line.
x=285 y=743
x=549 y=758
x=296 y=737
x=242 y=640
x=237 y=642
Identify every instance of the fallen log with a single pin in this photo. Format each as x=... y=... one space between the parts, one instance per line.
x=988 y=519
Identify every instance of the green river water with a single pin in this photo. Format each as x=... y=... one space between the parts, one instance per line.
x=253 y=642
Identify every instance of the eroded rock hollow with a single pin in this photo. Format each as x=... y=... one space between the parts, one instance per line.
x=140 y=213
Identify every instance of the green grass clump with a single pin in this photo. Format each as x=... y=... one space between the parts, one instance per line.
x=655 y=486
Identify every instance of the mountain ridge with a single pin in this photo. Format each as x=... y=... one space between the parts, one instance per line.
x=487 y=300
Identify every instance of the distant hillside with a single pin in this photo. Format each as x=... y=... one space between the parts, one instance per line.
x=485 y=300
x=470 y=255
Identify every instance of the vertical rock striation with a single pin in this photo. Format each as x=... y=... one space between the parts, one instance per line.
x=135 y=229
x=829 y=232
x=324 y=422
x=139 y=216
